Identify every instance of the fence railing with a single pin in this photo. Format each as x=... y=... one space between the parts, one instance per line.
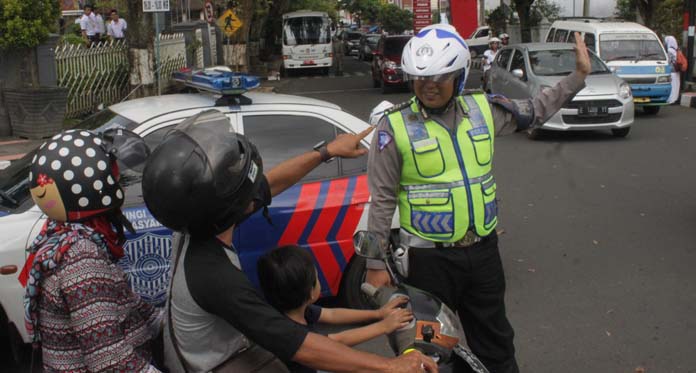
x=172 y=56
x=93 y=76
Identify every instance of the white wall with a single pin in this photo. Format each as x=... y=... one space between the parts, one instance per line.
x=598 y=8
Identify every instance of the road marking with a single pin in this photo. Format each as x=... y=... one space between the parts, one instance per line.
x=332 y=91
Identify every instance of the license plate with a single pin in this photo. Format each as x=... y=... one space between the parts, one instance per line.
x=641 y=100
x=308 y=62
x=593 y=111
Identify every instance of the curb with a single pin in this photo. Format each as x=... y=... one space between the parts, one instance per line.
x=688 y=99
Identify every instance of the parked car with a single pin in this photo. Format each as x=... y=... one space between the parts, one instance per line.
x=386 y=62
x=478 y=41
x=351 y=42
x=523 y=70
x=368 y=43
x=634 y=52
x=322 y=212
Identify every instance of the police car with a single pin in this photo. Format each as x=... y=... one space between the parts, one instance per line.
x=321 y=212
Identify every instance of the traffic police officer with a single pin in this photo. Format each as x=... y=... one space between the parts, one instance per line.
x=433 y=159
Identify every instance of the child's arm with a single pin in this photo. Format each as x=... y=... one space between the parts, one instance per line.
x=350 y=316
x=395 y=320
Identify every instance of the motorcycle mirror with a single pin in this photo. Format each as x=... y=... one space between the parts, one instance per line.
x=367 y=245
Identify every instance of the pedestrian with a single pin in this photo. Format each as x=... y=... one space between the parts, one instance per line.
x=504 y=39
x=79 y=307
x=290 y=283
x=100 y=31
x=88 y=26
x=117 y=27
x=201 y=181
x=673 y=52
x=337 y=48
x=433 y=159
x=489 y=57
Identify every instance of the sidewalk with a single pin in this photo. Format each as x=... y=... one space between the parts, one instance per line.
x=688 y=98
x=12 y=148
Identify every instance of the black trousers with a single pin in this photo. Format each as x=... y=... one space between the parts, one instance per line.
x=471 y=281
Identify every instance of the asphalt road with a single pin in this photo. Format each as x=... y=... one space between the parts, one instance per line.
x=598 y=243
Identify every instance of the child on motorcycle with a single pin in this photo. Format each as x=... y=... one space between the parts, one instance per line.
x=290 y=283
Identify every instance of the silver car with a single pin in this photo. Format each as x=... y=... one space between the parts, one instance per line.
x=523 y=70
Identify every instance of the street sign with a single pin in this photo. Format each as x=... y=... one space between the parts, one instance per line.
x=209 y=13
x=229 y=23
x=421 y=14
x=155 y=6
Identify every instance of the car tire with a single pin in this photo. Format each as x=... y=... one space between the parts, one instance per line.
x=350 y=295
x=534 y=133
x=620 y=132
x=651 y=110
x=12 y=348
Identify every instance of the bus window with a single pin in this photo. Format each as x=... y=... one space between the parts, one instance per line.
x=590 y=41
x=560 y=36
x=549 y=37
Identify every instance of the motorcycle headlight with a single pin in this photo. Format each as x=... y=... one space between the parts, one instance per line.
x=449 y=323
x=664 y=79
x=624 y=90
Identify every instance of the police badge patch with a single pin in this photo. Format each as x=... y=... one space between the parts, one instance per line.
x=384 y=139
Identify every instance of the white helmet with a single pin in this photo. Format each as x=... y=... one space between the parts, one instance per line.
x=504 y=36
x=493 y=40
x=436 y=53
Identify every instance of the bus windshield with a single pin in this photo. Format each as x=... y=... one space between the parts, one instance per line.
x=306 y=30
x=635 y=46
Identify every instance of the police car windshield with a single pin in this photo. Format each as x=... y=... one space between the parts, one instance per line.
x=635 y=46
x=561 y=62
x=14 y=180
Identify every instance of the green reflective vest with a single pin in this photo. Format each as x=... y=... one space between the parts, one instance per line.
x=446 y=187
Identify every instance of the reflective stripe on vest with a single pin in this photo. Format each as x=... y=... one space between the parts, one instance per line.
x=446 y=187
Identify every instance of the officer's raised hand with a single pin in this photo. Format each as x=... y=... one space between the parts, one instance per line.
x=582 y=56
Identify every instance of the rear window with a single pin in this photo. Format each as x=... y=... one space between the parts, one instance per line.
x=353 y=35
x=393 y=46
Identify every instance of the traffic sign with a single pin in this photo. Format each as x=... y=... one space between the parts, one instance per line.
x=229 y=23
x=155 y=6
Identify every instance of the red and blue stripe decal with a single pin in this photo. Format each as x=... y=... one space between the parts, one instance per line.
x=320 y=216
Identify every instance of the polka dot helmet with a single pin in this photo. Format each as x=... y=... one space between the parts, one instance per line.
x=73 y=177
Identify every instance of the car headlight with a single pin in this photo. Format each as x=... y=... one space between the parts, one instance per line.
x=624 y=90
x=664 y=79
x=449 y=323
x=390 y=65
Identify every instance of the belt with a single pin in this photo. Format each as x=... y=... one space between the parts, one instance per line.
x=411 y=240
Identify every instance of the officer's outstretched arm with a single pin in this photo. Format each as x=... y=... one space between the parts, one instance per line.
x=289 y=172
x=514 y=115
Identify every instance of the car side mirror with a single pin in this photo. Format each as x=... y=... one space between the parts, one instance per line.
x=367 y=245
x=518 y=73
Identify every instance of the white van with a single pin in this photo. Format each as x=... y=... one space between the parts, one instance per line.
x=632 y=51
x=307 y=41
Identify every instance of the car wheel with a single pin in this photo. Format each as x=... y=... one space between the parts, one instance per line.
x=12 y=348
x=651 y=110
x=620 y=132
x=349 y=293
x=534 y=133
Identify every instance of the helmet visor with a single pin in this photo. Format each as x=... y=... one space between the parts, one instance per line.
x=439 y=78
x=129 y=149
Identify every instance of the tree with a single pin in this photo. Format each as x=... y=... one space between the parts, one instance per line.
x=365 y=10
x=395 y=20
x=24 y=24
x=664 y=17
x=524 y=11
x=543 y=9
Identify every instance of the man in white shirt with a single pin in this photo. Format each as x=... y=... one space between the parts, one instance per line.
x=488 y=57
x=117 y=27
x=88 y=26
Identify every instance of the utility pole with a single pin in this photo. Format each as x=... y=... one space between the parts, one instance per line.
x=586 y=8
x=690 y=40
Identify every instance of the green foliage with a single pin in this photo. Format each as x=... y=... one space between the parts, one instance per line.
x=328 y=6
x=395 y=20
x=26 y=23
x=70 y=38
x=668 y=18
x=366 y=10
x=543 y=9
x=627 y=10
x=498 y=19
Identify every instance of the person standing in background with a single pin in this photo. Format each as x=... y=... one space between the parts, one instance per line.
x=673 y=52
x=87 y=26
x=100 y=30
x=117 y=27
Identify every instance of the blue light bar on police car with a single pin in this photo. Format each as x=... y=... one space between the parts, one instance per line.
x=216 y=81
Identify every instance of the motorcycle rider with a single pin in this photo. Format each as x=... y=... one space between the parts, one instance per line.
x=433 y=159
x=489 y=57
x=504 y=39
x=203 y=180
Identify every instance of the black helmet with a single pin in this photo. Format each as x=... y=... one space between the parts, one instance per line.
x=203 y=176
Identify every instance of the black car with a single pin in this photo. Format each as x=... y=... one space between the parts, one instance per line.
x=351 y=41
x=368 y=43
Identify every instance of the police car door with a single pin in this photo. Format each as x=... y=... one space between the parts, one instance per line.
x=320 y=213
